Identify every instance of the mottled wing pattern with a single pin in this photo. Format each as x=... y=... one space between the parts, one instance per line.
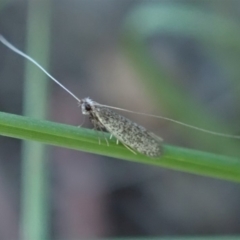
x=128 y=132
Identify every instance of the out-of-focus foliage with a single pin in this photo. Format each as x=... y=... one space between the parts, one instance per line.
x=176 y=58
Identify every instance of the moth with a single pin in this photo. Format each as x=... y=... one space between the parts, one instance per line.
x=130 y=134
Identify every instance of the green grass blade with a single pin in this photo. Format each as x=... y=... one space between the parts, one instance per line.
x=34 y=205
x=61 y=135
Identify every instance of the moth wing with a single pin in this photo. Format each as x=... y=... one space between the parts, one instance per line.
x=129 y=133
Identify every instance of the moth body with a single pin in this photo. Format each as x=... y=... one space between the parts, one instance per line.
x=129 y=133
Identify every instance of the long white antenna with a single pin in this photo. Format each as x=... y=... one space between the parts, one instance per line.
x=9 y=45
x=178 y=122
x=14 y=49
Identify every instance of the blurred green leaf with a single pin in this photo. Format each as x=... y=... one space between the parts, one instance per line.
x=212 y=31
x=35 y=205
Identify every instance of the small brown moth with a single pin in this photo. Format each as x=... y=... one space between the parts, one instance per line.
x=130 y=134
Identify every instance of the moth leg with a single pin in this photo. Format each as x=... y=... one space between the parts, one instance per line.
x=99 y=135
x=96 y=127
x=82 y=122
x=107 y=141
x=99 y=139
x=117 y=141
x=129 y=148
x=99 y=128
x=97 y=132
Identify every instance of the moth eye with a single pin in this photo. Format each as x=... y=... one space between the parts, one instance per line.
x=88 y=107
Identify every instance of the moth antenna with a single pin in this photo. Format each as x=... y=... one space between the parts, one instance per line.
x=14 y=49
x=177 y=122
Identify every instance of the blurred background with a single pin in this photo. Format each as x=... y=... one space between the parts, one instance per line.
x=175 y=58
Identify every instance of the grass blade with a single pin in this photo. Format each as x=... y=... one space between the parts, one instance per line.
x=191 y=161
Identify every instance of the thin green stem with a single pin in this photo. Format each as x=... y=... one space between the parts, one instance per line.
x=34 y=205
x=61 y=135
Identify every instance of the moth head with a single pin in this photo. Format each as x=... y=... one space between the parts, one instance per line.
x=87 y=106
